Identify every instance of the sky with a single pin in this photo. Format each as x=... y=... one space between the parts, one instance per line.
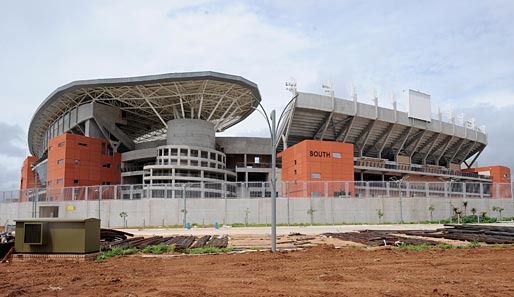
x=459 y=52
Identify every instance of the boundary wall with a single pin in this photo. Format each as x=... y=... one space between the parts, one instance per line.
x=159 y=211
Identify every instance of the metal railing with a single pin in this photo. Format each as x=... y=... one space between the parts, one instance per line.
x=387 y=165
x=308 y=189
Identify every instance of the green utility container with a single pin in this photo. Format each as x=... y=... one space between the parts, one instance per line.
x=57 y=236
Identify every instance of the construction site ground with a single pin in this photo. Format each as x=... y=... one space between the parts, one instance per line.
x=308 y=264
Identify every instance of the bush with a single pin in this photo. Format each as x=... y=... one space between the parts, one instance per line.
x=473 y=219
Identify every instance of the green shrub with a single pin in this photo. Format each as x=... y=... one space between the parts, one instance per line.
x=116 y=252
x=158 y=249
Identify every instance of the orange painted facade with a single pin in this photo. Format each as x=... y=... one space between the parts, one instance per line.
x=28 y=180
x=75 y=160
x=318 y=162
x=501 y=179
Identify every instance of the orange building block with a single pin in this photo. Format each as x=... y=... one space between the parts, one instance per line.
x=76 y=161
x=502 y=184
x=28 y=180
x=317 y=162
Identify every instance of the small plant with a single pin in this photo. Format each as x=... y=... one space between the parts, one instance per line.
x=158 y=249
x=124 y=216
x=116 y=252
x=465 y=205
x=473 y=244
x=499 y=210
x=458 y=213
x=431 y=209
x=415 y=247
x=474 y=211
x=311 y=212
x=380 y=214
x=483 y=214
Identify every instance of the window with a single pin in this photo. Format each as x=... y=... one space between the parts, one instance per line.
x=59 y=181
x=106 y=165
x=77 y=162
x=60 y=162
x=194 y=153
x=315 y=175
x=49 y=183
x=76 y=181
x=294 y=162
x=337 y=155
x=257 y=160
x=82 y=144
x=61 y=144
x=105 y=183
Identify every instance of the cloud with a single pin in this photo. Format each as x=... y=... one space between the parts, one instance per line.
x=459 y=51
x=500 y=133
x=12 y=153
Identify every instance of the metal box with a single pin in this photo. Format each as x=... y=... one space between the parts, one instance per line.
x=57 y=236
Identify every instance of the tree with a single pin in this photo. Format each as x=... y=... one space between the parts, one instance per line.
x=431 y=209
x=465 y=204
x=124 y=215
x=311 y=212
x=499 y=210
x=380 y=214
x=458 y=212
x=474 y=211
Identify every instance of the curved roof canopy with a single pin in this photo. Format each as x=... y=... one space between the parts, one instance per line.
x=379 y=132
x=149 y=102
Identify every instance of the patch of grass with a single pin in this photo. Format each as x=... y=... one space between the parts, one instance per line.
x=206 y=250
x=415 y=247
x=158 y=249
x=474 y=244
x=116 y=252
x=447 y=246
x=424 y=246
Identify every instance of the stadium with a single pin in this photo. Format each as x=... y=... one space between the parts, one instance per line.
x=153 y=138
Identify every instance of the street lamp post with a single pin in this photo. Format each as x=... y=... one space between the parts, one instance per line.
x=273 y=126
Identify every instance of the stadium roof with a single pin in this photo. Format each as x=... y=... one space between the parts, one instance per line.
x=149 y=102
x=379 y=132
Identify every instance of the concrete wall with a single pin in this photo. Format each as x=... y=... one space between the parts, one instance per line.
x=155 y=212
x=191 y=132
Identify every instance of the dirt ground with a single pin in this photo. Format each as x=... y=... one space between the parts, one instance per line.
x=317 y=271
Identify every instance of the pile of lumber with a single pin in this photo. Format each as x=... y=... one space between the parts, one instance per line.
x=378 y=238
x=481 y=233
x=180 y=242
x=113 y=235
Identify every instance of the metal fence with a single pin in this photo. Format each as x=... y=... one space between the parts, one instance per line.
x=309 y=189
x=249 y=203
